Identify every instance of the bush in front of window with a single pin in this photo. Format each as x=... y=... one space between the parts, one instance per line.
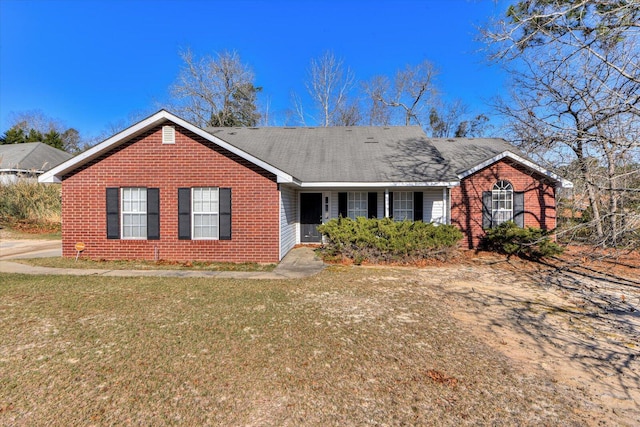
x=530 y=242
x=385 y=240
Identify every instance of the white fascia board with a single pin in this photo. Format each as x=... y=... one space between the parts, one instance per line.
x=282 y=177
x=377 y=184
x=560 y=182
x=55 y=174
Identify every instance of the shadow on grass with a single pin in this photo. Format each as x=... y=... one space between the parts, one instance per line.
x=594 y=324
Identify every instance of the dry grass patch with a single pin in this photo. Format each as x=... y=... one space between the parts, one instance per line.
x=81 y=263
x=16 y=234
x=347 y=347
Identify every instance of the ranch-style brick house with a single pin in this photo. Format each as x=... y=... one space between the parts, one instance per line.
x=166 y=189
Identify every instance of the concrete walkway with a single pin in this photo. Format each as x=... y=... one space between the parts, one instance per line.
x=29 y=248
x=299 y=263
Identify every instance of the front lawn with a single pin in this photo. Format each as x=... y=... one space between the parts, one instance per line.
x=83 y=263
x=346 y=347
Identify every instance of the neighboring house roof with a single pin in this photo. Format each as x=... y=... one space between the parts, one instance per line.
x=30 y=157
x=335 y=156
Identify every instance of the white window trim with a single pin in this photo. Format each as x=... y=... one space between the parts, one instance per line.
x=396 y=199
x=139 y=213
x=194 y=213
x=501 y=188
x=351 y=199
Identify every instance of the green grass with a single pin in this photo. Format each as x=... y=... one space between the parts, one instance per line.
x=59 y=262
x=346 y=347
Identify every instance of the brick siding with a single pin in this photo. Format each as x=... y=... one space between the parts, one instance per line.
x=191 y=162
x=466 y=200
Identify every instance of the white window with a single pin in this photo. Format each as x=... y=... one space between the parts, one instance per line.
x=134 y=213
x=357 y=204
x=501 y=203
x=205 y=213
x=403 y=205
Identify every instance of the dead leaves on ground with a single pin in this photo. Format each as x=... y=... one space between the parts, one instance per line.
x=442 y=378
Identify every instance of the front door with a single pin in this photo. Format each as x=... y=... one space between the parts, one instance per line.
x=310 y=217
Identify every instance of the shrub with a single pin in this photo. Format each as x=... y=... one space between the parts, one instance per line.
x=385 y=240
x=30 y=205
x=529 y=242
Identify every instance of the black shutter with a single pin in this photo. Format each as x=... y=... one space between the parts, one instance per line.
x=342 y=205
x=518 y=208
x=153 y=214
x=184 y=213
x=486 y=209
x=372 y=205
x=113 y=213
x=225 y=214
x=390 y=204
x=418 y=206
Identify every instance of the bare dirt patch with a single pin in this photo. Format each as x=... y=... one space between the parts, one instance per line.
x=575 y=321
x=347 y=347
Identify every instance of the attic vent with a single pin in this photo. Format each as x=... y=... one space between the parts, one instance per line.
x=370 y=140
x=168 y=135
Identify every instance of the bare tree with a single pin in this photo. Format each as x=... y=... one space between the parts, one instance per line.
x=216 y=91
x=297 y=115
x=36 y=121
x=377 y=111
x=329 y=83
x=410 y=92
x=575 y=66
x=451 y=120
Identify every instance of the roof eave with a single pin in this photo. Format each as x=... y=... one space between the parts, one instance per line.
x=559 y=181
x=56 y=174
x=326 y=184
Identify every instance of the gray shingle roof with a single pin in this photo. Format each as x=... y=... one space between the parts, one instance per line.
x=35 y=156
x=465 y=153
x=362 y=154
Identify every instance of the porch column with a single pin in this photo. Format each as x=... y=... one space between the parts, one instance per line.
x=444 y=205
x=386 y=203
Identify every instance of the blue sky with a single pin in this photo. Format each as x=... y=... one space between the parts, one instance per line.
x=91 y=63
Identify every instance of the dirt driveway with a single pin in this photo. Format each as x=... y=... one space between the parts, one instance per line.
x=577 y=324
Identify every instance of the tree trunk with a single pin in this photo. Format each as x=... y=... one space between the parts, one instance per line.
x=591 y=192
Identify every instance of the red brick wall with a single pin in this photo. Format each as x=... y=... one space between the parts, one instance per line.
x=466 y=200
x=190 y=162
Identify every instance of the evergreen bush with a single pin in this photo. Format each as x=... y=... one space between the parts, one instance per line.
x=385 y=240
x=529 y=242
